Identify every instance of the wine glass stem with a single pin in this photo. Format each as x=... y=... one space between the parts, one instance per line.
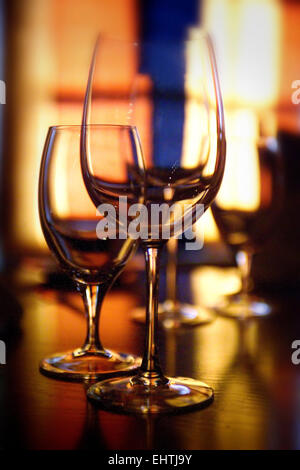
x=93 y=296
x=172 y=271
x=244 y=262
x=150 y=371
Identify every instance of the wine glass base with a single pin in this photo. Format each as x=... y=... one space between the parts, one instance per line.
x=68 y=366
x=180 y=394
x=184 y=315
x=241 y=308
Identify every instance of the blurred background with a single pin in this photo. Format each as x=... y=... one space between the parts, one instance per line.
x=45 y=52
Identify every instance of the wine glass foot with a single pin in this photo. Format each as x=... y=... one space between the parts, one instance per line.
x=183 y=315
x=178 y=395
x=242 y=308
x=70 y=366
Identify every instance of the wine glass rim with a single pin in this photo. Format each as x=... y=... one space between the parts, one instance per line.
x=198 y=32
x=80 y=126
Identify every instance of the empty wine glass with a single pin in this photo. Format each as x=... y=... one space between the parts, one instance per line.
x=246 y=211
x=181 y=181
x=161 y=92
x=70 y=226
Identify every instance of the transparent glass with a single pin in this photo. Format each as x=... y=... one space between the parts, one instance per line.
x=246 y=211
x=69 y=222
x=185 y=172
x=166 y=107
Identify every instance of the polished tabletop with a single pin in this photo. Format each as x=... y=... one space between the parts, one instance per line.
x=257 y=387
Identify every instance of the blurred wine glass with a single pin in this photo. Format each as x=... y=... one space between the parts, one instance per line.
x=69 y=222
x=172 y=313
x=247 y=210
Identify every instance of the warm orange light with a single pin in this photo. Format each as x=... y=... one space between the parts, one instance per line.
x=240 y=188
x=55 y=44
x=247 y=35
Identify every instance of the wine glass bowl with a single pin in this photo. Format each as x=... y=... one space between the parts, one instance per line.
x=92 y=259
x=246 y=211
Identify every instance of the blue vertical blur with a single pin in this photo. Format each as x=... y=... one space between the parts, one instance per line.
x=163 y=27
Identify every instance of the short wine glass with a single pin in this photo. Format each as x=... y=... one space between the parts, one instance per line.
x=69 y=223
x=186 y=187
x=246 y=211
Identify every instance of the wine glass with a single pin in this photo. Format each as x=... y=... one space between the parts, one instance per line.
x=162 y=94
x=183 y=185
x=246 y=211
x=70 y=226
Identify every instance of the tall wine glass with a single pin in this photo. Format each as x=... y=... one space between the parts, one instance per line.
x=70 y=226
x=188 y=183
x=246 y=211
x=161 y=92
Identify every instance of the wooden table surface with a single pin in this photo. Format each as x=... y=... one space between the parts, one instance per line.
x=257 y=388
